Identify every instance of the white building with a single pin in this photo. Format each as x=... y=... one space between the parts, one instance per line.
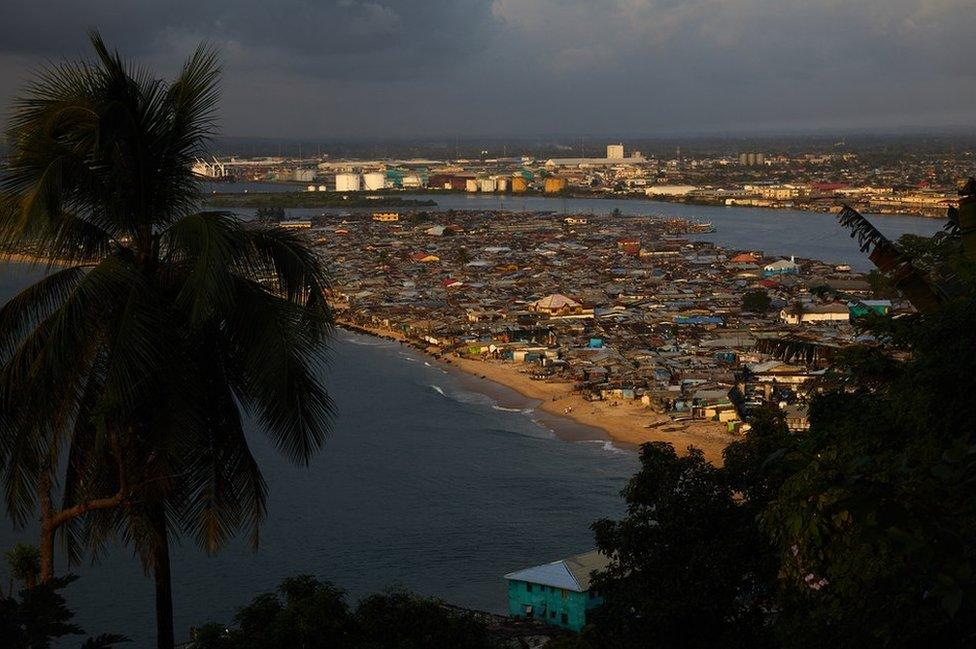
x=670 y=190
x=347 y=182
x=615 y=152
x=813 y=313
x=412 y=181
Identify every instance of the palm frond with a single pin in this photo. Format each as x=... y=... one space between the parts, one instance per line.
x=277 y=367
x=180 y=323
x=33 y=304
x=208 y=245
x=296 y=271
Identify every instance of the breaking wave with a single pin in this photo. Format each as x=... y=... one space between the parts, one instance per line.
x=524 y=411
x=366 y=343
x=605 y=445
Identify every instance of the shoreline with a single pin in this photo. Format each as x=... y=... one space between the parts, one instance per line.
x=628 y=424
x=431 y=194
x=562 y=409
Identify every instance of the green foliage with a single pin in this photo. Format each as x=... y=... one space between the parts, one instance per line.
x=875 y=527
x=756 y=466
x=25 y=563
x=401 y=620
x=881 y=288
x=306 y=612
x=39 y=617
x=689 y=569
x=927 y=253
x=943 y=257
x=757 y=301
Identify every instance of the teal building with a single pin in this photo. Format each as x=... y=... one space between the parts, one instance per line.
x=864 y=307
x=556 y=593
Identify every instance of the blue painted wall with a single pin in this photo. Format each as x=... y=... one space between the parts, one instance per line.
x=554 y=606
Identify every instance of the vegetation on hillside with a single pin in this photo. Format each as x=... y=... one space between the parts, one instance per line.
x=306 y=612
x=36 y=616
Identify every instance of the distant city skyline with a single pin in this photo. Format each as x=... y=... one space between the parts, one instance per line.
x=400 y=69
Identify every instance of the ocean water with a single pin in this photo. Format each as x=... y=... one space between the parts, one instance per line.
x=426 y=482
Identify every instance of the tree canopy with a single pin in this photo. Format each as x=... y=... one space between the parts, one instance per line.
x=306 y=612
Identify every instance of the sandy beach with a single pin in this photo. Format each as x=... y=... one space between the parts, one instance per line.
x=627 y=422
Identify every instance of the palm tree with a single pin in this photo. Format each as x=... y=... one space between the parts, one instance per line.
x=126 y=374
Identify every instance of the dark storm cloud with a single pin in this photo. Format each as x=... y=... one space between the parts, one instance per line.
x=387 y=67
x=289 y=33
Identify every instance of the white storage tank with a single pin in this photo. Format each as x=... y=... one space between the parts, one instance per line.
x=347 y=183
x=487 y=184
x=374 y=181
x=412 y=181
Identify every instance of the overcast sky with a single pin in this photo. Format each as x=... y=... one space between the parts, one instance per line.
x=391 y=68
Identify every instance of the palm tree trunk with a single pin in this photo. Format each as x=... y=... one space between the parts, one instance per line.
x=164 y=585
x=47 y=553
x=47 y=532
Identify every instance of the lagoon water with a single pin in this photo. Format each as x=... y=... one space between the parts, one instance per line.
x=426 y=482
x=430 y=480
x=812 y=235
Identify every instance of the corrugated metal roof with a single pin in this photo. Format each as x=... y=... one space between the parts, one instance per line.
x=572 y=573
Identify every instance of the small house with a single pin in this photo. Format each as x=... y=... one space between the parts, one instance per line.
x=781 y=267
x=815 y=313
x=556 y=305
x=557 y=593
x=862 y=308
